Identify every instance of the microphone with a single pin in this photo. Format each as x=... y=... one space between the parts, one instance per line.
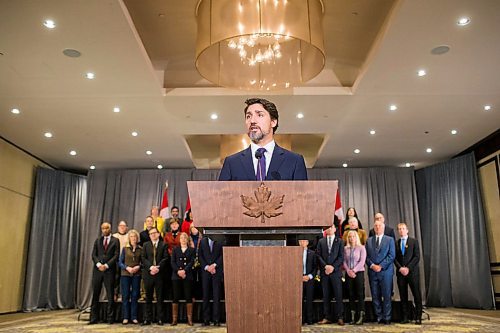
x=258 y=156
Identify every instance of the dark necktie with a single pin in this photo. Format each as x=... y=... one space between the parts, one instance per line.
x=154 y=254
x=378 y=241
x=261 y=164
x=105 y=244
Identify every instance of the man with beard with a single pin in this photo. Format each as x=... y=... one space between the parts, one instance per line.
x=104 y=255
x=264 y=159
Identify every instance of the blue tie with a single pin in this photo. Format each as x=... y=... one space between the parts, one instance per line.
x=403 y=241
x=261 y=165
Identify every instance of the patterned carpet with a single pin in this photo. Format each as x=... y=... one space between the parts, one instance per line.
x=441 y=320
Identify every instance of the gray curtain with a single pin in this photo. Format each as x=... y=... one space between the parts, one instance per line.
x=453 y=229
x=53 y=252
x=129 y=194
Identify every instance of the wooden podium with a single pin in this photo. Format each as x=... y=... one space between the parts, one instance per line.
x=263 y=277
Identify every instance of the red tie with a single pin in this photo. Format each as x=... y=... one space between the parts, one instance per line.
x=105 y=244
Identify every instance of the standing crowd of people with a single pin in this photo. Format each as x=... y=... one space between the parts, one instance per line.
x=166 y=259
x=170 y=258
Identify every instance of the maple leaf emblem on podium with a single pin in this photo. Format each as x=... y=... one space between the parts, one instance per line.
x=263 y=205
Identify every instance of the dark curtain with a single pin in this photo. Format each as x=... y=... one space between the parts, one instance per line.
x=129 y=194
x=53 y=253
x=454 y=238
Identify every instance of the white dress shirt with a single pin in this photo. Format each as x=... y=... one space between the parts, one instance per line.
x=268 y=154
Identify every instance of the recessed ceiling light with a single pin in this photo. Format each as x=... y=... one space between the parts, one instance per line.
x=134 y=133
x=429 y=150
x=72 y=53
x=159 y=166
x=486 y=108
x=407 y=165
x=116 y=109
x=47 y=134
x=300 y=115
x=463 y=21
x=344 y=165
x=441 y=49
x=92 y=167
x=149 y=152
x=90 y=75
x=421 y=72
x=49 y=24
x=393 y=107
x=72 y=153
x=16 y=111
x=454 y=131
x=357 y=151
x=214 y=116
x=372 y=132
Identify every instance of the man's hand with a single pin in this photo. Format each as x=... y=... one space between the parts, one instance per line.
x=404 y=271
x=181 y=273
x=329 y=269
x=376 y=268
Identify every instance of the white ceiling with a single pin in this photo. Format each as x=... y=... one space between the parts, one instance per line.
x=53 y=95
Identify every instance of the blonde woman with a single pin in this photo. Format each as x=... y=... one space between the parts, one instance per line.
x=182 y=277
x=354 y=265
x=130 y=280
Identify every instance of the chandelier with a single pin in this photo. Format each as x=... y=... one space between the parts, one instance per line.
x=259 y=44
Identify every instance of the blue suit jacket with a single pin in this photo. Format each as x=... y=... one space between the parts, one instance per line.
x=383 y=256
x=285 y=165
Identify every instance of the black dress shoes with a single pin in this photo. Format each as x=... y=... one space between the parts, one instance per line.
x=93 y=322
x=160 y=322
x=145 y=323
x=405 y=321
x=418 y=322
x=206 y=323
x=216 y=323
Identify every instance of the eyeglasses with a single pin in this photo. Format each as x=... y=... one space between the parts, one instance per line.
x=154 y=232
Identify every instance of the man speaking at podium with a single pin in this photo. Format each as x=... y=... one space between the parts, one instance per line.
x=264 y=159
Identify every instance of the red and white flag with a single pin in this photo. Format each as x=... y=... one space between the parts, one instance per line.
x=339 y=212
x=188 y=207
x=164 y=211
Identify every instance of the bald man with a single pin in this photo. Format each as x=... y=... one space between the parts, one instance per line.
x=105 y=256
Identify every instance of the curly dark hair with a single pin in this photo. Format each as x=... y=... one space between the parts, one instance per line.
x=268 y=106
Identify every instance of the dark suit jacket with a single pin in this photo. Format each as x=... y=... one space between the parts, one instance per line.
x=285 y=165
x=311 y=263
x=183 y=261
x=207 y=258
x=147 y=257
x=383 y=256
x=334 y=258
x=110 y=256
x=388 y=231
x=411 y=257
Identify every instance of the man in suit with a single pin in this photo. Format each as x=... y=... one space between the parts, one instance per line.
x=264 y=159
x=388 y=231
x=309 y=267
x=210 y=256
x=407 y=272
x=154 y=261
x=104 y=255
x=330 y=252
x=380 y=253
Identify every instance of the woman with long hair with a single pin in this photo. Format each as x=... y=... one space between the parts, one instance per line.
x=354 y=265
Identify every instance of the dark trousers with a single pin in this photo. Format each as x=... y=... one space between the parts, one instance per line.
x=212 y=288
x=381 y=288
x=130 y=290
x=98 y=279
x=332 y=282
x=308 y=294
x=182 y=287
x=153 y=283
x=413 y=281
x=357 y=291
